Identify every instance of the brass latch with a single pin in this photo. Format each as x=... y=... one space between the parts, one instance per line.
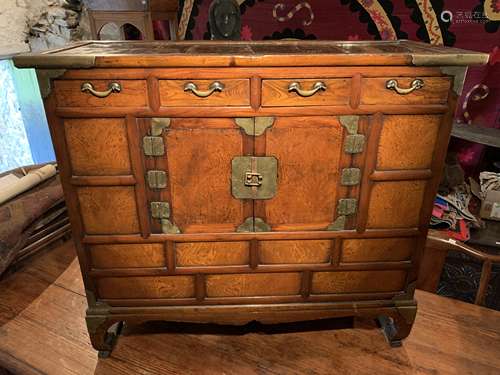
x=254 y=177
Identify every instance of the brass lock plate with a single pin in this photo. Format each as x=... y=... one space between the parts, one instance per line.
x=254 y=177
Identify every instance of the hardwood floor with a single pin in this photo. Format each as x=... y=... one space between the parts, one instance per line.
x=42 y=331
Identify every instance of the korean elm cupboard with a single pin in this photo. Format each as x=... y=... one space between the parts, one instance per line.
x=228 y=182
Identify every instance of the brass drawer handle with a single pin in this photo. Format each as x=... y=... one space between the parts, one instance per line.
x=215 y=86
x=392 y=84
x=112 y=87
x=295 y=86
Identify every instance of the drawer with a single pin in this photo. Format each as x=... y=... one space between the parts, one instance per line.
x=128 y=93
x=222 y=92
x=146 y=287
x=404 y=90
x=253 y=285
x=305 y=92
x=127 y=255
x=200 y=254
x=295 y=252
x=377 y=249
x=358 y=282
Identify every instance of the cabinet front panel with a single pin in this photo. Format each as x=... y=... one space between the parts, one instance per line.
x=199 y=155
x=257 y=284
x=127 y=255
x=277 y=93
x=133 y=93
x=395 y=204
x=108 y=210
x=433 y=91
x=308 y=152
x=97 y=146
x=295 y=252
x=146 y=287
x=358 y=282
x=407 y=141
x=234 y=92
x=193 y=254
x=377 y=249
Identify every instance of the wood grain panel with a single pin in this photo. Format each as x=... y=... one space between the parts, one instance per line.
x=358 y=282
x=212 y=253
x=275 y=92
x=435 y=91
x=236 y=92
x=407 y=141
x=133 y=94
x=292 y=252
x=97 y=147
x=308 y=152
x=108 y=210
x=395 y=204
x=258 y=284
x=199 y=165
x=127 y=256
x=377 y=249
x=146 y=287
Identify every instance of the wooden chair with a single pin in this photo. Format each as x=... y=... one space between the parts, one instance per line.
x=436 y=249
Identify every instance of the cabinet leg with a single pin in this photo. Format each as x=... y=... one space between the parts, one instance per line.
x=103 y=334
x=397 y=326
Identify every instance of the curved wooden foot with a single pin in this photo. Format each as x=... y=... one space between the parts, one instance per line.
x=102 y=337
x=397 y=326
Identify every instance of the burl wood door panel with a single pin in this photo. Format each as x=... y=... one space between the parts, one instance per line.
x=399 y=148
x=199 y=154
x=97 y=147
x=308 y=152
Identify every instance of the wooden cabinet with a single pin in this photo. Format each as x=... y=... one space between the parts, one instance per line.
x=214 y=182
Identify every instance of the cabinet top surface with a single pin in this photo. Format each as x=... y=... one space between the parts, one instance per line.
x=129 y=54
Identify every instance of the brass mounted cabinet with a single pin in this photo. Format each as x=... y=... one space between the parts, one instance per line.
x=212 y=182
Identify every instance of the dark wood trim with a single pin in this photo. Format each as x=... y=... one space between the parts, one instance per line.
x=153 y=93
x=123 y=180
x=355 y=99
x=138 y=171
x=376 y=123
x=269 y=236
x=255 y=92
x=238 y=111
x=262 y=268
x=401 y=175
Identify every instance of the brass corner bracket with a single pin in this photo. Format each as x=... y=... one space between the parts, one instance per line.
x=254 y=126
x=254 y=224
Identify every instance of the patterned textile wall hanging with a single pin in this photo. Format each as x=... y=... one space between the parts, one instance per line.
x=469 y=24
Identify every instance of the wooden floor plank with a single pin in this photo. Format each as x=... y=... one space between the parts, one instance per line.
x=42 y=331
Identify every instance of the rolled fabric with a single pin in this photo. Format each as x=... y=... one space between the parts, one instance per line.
x=33 y=178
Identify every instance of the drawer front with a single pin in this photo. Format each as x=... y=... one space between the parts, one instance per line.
x=305 y=92
x=377 y=249
x=358 y=282
x=295 y=252
x=253 y=285
x=131 y=93
x=127 y=255
x=404 y=90
x=199 y=254
x=223 y=92
x=146 y=287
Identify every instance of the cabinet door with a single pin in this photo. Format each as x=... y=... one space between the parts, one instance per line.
x=197 y=164
x=308 y=151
